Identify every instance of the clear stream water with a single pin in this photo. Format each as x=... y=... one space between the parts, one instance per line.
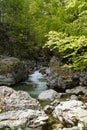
x=34 y=85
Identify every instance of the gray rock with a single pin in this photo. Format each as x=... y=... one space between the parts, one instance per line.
x=74 y=97
x=12 y=70
x=60 y=80
x=18 y=109
x=71 y=113
x=64 y=78
x=83 y=78
x=38 y=128
x=59 y=77
x=48 y=95
x=77 y=90
x=72 y=128
x=48 y=109
x=55 y=61
x=19 y=100
x=55 y=102
x=23 y=118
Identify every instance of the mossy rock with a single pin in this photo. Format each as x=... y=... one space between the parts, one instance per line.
x=7 y=65
x=12 y=70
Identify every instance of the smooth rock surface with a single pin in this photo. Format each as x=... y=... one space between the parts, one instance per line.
x=48 y=95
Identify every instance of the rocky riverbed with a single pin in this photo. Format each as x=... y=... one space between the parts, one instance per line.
x=68 y=106
x=59 y=112
x=19 y=110
x=68 y=112
x=63 y=109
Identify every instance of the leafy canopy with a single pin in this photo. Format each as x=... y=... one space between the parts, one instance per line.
x=24 y=24
x=72 y=48
x=70 y=40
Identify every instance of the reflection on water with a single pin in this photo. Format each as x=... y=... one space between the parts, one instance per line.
x=35 y=84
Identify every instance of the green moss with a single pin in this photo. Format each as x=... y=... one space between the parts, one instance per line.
x=7 y=65
x=56 y=126
x=52 y=124
x=43 y=104
x=59 y=70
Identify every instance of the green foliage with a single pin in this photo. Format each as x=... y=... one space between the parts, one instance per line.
x=14 y=27
x=24 y=23
x=72 y=48
x=70 y=40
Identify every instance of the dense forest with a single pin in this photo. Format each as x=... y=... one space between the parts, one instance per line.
x=60 y=25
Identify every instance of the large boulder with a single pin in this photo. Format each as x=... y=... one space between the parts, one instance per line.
x=61 y=78
x=83 y=78
x=77 y=90
x=12 y=70
x=71 y=113
x=64 y=78
x=19 y=110
x=48 y=95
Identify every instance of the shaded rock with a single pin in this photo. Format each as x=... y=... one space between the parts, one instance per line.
x=72 y=128
x=57 y=126
x=48 y=95
x=52 y=80
x=71 y=113
x=55 y=102
x=64 y=78
x=55 y=61
x=39 y=128
x=48 y=109
x=59 y=77
x=83 y=78
x=18 y=109
x=42 y=70
x=2 y=57
x=77 y=90
x=83 y=98
x=74 y=97
x=12 y=70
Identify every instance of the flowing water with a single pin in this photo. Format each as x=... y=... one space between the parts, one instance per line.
x=35 y=84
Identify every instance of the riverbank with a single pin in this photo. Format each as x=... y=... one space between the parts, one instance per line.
x=53 y=111
x=59 y=106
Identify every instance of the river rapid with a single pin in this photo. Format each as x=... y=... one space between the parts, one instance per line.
x=34 y=84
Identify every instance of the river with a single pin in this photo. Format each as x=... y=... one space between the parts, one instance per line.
x=34 y=84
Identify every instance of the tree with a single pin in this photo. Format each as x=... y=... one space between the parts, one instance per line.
x=15 y=25
x=72 y=48
x=24 y=23
x=71 y=40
